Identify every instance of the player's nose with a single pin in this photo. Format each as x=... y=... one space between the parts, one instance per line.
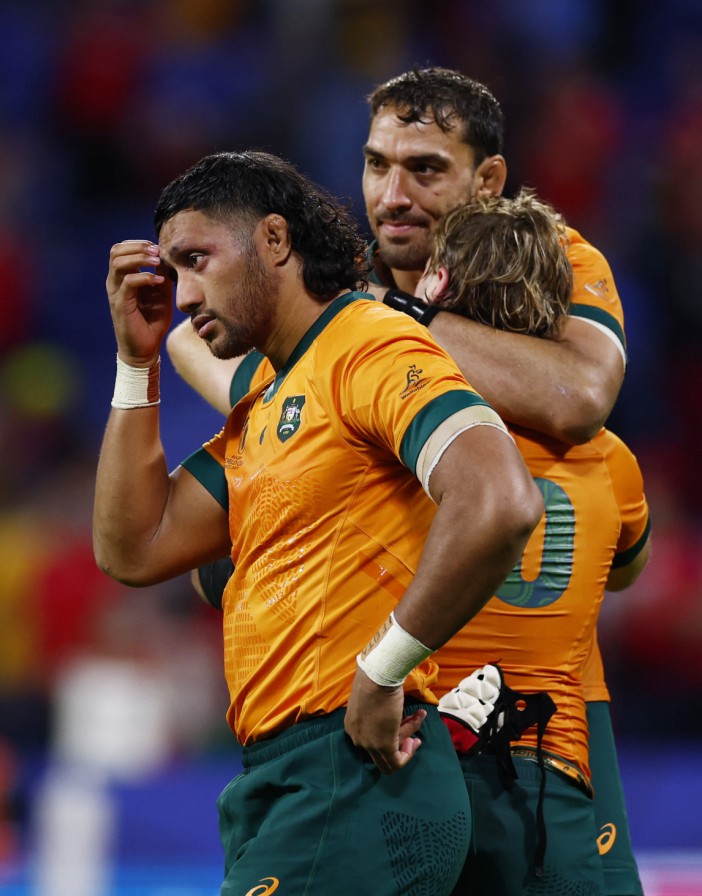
x=395 y=193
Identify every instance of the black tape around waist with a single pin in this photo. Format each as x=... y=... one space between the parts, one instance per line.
x=305 y=732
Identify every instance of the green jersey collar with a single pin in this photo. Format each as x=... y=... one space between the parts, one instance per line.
x=320 y=324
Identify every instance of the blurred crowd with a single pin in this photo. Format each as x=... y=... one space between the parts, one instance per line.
x=102 y=102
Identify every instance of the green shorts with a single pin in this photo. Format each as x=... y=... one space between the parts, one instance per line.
x=503 y=846
x=311 y=815
x=612 y=825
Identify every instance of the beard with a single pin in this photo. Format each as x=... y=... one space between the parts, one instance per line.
x=410 y=256
x=251 y=310
x=404 y=253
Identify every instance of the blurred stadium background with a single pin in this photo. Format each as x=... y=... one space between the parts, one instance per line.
x=113 y=745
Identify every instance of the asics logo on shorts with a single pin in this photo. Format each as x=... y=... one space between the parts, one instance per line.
x=263 y=889
x=606 y=839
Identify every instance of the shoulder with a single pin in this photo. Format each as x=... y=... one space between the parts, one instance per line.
x=588 y=261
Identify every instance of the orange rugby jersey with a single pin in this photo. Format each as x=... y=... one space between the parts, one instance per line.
x=320 y=468
x=594 y=684
x=540 y=624
x=595 y=297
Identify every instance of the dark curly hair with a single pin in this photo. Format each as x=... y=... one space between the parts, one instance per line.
x=255 y=184
x=448 y=98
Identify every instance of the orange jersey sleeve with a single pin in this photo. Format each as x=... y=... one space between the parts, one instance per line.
x=595 y=297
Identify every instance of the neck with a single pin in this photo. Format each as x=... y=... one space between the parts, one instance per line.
x=291 y=325
x=406 y=280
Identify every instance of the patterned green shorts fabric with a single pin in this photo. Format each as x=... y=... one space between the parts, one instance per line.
x=503 y=846
x=611 y=822
x=311 y=815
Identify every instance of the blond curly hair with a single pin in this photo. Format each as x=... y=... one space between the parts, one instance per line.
x=507 y=263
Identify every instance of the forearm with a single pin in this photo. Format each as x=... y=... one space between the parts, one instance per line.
x=624 y=576
x=564 y=388
x=147 y=525
x=210 y=377
x=131 y=493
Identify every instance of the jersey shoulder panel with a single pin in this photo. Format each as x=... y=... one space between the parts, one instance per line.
x=595 y=295
x=390 y=379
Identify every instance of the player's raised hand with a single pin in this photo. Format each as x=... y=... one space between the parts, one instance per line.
x=141 y=301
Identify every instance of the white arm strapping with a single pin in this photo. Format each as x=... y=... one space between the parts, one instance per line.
x=393 y=655
x=136 y=387
x=446 y=432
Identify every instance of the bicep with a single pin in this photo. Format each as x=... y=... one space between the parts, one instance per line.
x=483 y=464
x=596 y=354
x=195 y=527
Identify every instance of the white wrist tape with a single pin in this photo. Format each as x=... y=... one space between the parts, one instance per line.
x=392 y=654
x=136 y=387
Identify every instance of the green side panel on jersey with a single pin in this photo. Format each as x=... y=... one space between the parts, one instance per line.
x=241 y=381
x=430 y=417
x=625 y=558
x=213 y=580
x=210 y=474
x=600 y=317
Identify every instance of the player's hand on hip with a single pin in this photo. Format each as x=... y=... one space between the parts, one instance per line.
x=374 y=723
x=141 y=301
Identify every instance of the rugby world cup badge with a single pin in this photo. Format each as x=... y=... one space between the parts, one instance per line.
x=290 y=417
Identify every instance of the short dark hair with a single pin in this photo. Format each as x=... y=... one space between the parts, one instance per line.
x=255 y=184
x=449 y=98
x=507 y=263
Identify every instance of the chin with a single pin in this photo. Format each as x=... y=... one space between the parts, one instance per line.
x=405 y=256
x=225 y=352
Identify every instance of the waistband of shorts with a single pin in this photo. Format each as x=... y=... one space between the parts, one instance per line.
x=566 y=770
x=306 y=731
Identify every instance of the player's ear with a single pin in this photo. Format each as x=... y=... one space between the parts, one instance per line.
x=442 y=283
x=274 y=234
x=433 y=285
x=491 y=176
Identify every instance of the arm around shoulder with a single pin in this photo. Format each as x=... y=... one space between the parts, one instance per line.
x=210 y=377
x=563 y=387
